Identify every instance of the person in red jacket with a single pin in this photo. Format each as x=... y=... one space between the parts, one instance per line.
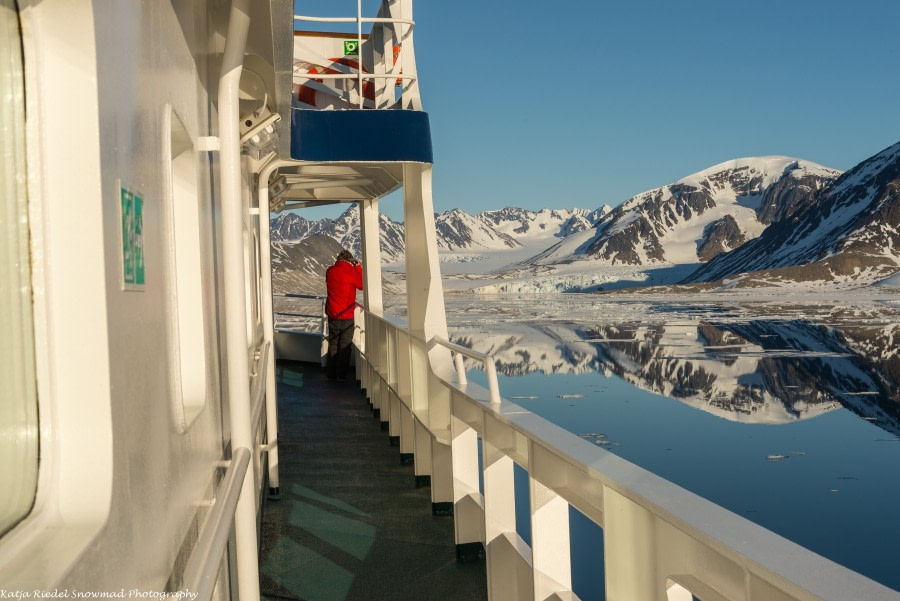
x=342 y=280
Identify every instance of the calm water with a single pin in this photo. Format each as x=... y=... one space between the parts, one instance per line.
x=788 y=415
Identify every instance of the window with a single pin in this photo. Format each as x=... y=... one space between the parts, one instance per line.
x=18 y=411
x=190 y=328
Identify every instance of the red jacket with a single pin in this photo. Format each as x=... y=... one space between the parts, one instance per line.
x=342 y=280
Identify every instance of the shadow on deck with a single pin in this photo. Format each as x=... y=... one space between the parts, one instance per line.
x=350 y=523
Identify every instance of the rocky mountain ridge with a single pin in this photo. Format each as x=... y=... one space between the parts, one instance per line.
x=700 y=216
x=781 y=219
x=850 y=231
x=506 y=228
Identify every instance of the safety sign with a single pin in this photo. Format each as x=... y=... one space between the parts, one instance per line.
x=132 y=222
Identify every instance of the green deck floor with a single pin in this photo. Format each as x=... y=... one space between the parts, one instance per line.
x=350 y=523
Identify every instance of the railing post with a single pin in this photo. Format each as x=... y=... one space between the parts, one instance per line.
x=509 y=571
x=418 y=400
x=441 y=453
x=460 y=363
x=549 y=542
x=468 y=513
x=391 y=384
x=490 y=369
x=628 y=547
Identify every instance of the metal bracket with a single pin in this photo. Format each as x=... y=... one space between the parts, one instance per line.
x=208 y=144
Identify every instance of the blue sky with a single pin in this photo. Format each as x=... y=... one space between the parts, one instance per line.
x=583 y=103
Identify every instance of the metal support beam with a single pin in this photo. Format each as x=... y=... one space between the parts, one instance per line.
x=234 y=284
x=371 y=255
x=268 y=320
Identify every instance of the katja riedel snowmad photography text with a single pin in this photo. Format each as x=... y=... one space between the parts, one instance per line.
x=122 y=593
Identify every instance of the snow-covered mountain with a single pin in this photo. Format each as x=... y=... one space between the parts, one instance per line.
x=345 y=230
x=546 y=223
x=699 y=216
x=457 y=230
x=507 y=228
x=795 y=220
x=850 y=232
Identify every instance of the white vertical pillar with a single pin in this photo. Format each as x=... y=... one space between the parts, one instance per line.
x=371 y=255
x=236 y=338
x=425 y=296
x=425 y=302
x=268 y=320
x=551 y=556
x=411 y=99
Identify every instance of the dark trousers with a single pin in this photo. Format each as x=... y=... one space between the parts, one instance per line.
x=340 y=337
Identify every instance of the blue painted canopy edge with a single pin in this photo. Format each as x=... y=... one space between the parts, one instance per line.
x=361 y=136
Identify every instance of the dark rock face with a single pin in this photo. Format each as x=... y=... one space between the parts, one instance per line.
x=624 y=245
x=687 y=202
x=300 y=266
x=720 y=236
x=849 y=230
x=788 y=196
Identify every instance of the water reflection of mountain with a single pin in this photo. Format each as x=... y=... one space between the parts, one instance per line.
x=525 y=349
x=755 y=371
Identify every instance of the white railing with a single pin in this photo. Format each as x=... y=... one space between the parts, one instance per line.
x=391 y=37
x=319 y=315
x=202 y=570
x=660 y=541
x=487 y=360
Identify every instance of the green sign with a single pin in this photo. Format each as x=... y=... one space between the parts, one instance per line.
x=132 y=211
x=351 y=48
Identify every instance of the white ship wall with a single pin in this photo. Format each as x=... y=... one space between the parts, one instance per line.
x=123 y=477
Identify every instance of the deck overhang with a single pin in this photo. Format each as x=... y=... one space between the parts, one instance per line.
x=305 y=184
x=361 y=136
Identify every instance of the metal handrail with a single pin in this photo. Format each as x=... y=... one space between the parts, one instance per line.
x=323 y=324
x=310 y=19
x=488 y=360
x=292 y=295
x=258 y=393
x=203 y=567
x=490 y=365
x=353 y=76
x=359 y=20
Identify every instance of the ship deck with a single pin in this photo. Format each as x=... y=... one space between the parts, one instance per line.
x=350 y=523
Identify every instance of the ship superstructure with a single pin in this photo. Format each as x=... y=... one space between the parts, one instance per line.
x=145 y=146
